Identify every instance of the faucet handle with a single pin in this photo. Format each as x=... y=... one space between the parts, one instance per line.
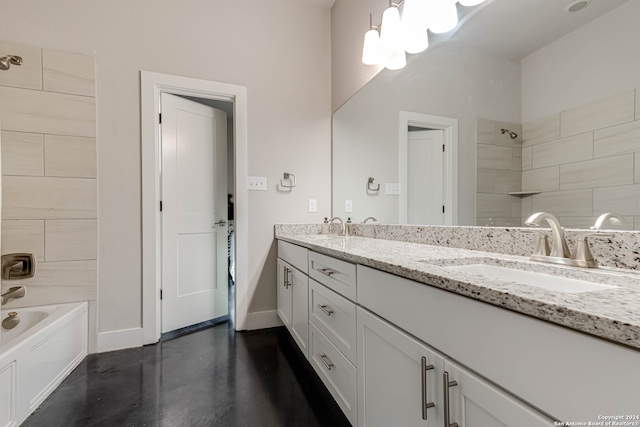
x=582 y=252
x=542 y=246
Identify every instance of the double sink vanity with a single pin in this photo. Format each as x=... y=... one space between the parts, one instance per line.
x=433 y=326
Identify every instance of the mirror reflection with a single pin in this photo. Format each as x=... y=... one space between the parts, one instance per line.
x=541 y=113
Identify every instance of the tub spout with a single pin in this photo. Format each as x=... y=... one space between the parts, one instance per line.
x=14 y=292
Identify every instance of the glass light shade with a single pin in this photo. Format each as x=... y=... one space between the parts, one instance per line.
x=397 y=61
x=470 y=2
x=391 y=33
x=372 y=49
x=416 y=14
x=445 y=16
x=416 y=39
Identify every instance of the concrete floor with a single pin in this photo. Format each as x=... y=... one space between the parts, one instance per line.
x=213 y=377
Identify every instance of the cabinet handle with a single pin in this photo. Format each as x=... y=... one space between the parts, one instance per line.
x=447 y=384
x=425 y=404
x=325 y=310
x=327 y=362
x=326 y=271
x=286 y=277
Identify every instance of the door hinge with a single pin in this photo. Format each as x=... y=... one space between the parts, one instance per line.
x=442 y=209
x=443 y=148
x=160 y=205
x=160 y=118
x=160 y=293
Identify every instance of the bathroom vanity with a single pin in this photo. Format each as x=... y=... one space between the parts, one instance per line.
x=401 y=334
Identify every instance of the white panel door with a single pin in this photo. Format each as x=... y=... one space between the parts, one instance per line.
x=391 y=375
x=425 y=183
x=476 y=403
x=194 y=214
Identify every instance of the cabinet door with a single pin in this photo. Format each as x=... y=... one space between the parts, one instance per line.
x=284 y=293
x=473 y=402
x=390 y=377
x=299 y=290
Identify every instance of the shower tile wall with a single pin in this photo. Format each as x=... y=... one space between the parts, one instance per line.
x=49 y=191
x=499 y=171
x=586 y=161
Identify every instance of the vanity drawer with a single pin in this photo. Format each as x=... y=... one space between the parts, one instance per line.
x=334 y=274
x=295 y=255
x=335 y=371
x=335 y=316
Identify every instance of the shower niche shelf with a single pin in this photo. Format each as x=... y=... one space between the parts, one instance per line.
x=524 y=193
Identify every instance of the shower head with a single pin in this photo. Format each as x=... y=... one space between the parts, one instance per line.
x=7 y=61
x=512 y=134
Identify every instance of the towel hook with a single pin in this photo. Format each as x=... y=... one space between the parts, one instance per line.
x=292 y=179
x=370 y=183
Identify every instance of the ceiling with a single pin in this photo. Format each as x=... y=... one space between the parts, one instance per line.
x=516 y=28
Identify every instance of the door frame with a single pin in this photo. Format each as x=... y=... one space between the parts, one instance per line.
x=152 y=85
x=449 y=126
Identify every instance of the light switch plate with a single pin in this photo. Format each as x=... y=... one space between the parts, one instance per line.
x=313 y=205
x=392 y=189
x=348 y=206
x=257 y=183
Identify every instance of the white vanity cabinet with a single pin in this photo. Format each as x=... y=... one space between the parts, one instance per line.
x=401 y=382
x=397 y=377
x=293 y=292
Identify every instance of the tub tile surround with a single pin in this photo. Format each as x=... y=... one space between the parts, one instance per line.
x=49 y=198
x=419 y=252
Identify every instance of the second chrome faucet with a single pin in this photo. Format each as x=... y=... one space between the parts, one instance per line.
x=559 y=252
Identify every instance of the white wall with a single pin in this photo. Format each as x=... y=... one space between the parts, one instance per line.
x=278 y=49
x=597 y=60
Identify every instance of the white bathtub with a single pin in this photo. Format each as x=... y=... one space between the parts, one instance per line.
x=35 y=356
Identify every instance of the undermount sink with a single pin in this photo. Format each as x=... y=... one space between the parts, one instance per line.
x=530 y=278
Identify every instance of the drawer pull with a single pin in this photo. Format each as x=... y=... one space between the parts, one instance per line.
x=325 y=310
x=425 y=400
x=287 y=283
x=327 y=362
x=447 y=384
x=326 y=271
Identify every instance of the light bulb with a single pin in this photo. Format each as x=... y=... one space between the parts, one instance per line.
x=397 y=61
x=416 y=14
x=372 y=49
x=445 y=16
x=416 y=40
x=391 y=33
x=470 y=2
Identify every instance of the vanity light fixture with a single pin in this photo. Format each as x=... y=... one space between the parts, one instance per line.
x=391 y=39
x=372 y=50
x=408 y=34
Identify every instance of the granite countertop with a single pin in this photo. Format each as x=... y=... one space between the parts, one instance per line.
x=612 y=314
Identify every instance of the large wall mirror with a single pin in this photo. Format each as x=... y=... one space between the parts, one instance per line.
x=536 y=108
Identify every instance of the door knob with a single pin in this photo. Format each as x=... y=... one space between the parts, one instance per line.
x=221 y=223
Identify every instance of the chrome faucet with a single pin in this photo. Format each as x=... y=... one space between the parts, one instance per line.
x=559 y=248
x=341 y=224
x=613 y=218
x=369 y=218
x=14 y=292
x=581 y=255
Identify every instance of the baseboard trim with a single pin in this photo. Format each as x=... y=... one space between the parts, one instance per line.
x=121 y=339
x=263 y=320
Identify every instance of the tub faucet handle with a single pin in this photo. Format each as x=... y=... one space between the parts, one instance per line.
x=18 y=266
